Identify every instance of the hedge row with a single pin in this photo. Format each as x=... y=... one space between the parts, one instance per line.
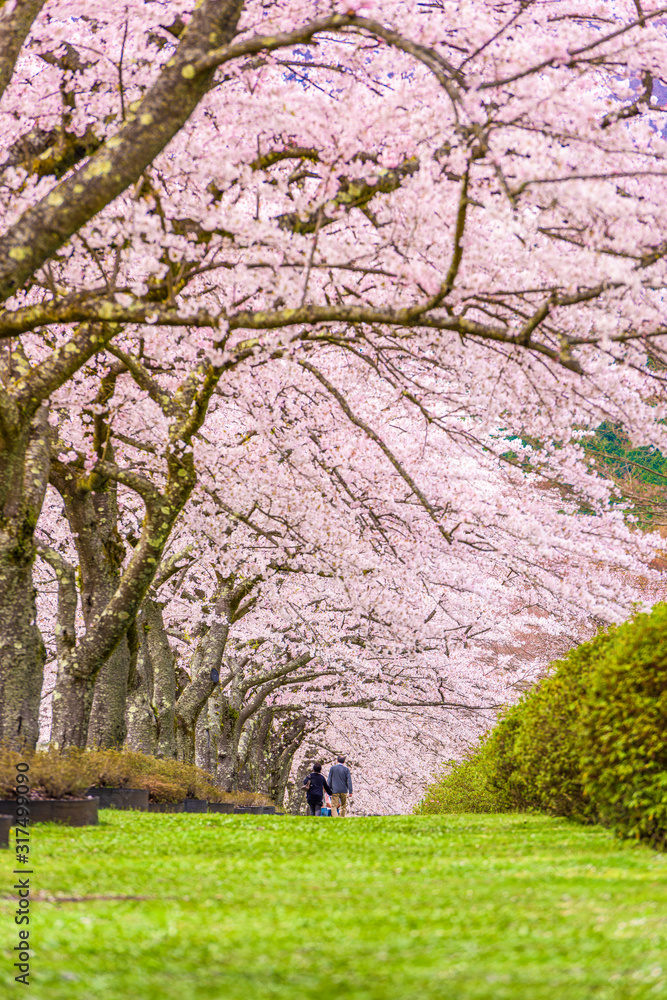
x=56 y=774
x=588 y=742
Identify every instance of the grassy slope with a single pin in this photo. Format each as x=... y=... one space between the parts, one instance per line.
x=465 y=907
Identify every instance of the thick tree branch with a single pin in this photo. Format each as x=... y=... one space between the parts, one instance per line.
x=43 y=379
x=351 y=194
x=289 y=153
x=10 y=417
x=120 y=162
x=143 y=378
x=281 y=680
x=314 y=315
x=98 y=309
x=15 y=23
x=267 y=676
x=209 y=660
x=171 y=565
x=36 y=467
x=191 y=399
x=133 y=480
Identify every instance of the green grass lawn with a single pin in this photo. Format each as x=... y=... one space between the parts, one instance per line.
x=465 y=907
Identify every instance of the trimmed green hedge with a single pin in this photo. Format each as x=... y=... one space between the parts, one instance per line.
x=588 y=742
x=623 y=725
x=463 y=787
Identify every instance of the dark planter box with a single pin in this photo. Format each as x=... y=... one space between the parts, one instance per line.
x=256 y=810
x=268 y=810
x=241 y=809
x=5 y=823
x=196 y=806
x=121 y=798
x=8 y=808
x=74 y=812
x=166 y=807
x=221 y=807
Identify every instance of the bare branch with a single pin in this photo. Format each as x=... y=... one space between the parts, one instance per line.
x=443 y=70
x=358 y=422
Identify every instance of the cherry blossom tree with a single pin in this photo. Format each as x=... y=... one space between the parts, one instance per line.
x=404 y=244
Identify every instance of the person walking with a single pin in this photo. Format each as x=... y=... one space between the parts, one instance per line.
x=316 y=785
x=340 y=780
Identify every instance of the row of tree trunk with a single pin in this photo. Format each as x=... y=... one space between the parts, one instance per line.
x=130 y=690
x=226 y=728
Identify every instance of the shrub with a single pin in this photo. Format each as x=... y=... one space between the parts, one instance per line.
x=128 y=768
x=52 y=775
x=66 y=774
x=623 y=730
x=463 y=787
x=588 y=742
x=535 y=747
x=529 y=760
x=115 y=768
x=161 y=790
x=8 y=761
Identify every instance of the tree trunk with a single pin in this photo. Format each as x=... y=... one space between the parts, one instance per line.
x=163 y=660
x=72 y=700
x=206 y=662
x=93 y=520
x=22 y=653
x=286 y=739
x=245 y=727
x=228 y=746
x=140 y=718
x=107 y=727
x=253 y=772
x=207 y=735
x=152 y=698
x=272 y=741
x=249 y=749
x=111 y=599
x=24 y=470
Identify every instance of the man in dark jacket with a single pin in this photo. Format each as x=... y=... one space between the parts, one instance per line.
x=340 y=780
x=316 y=785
